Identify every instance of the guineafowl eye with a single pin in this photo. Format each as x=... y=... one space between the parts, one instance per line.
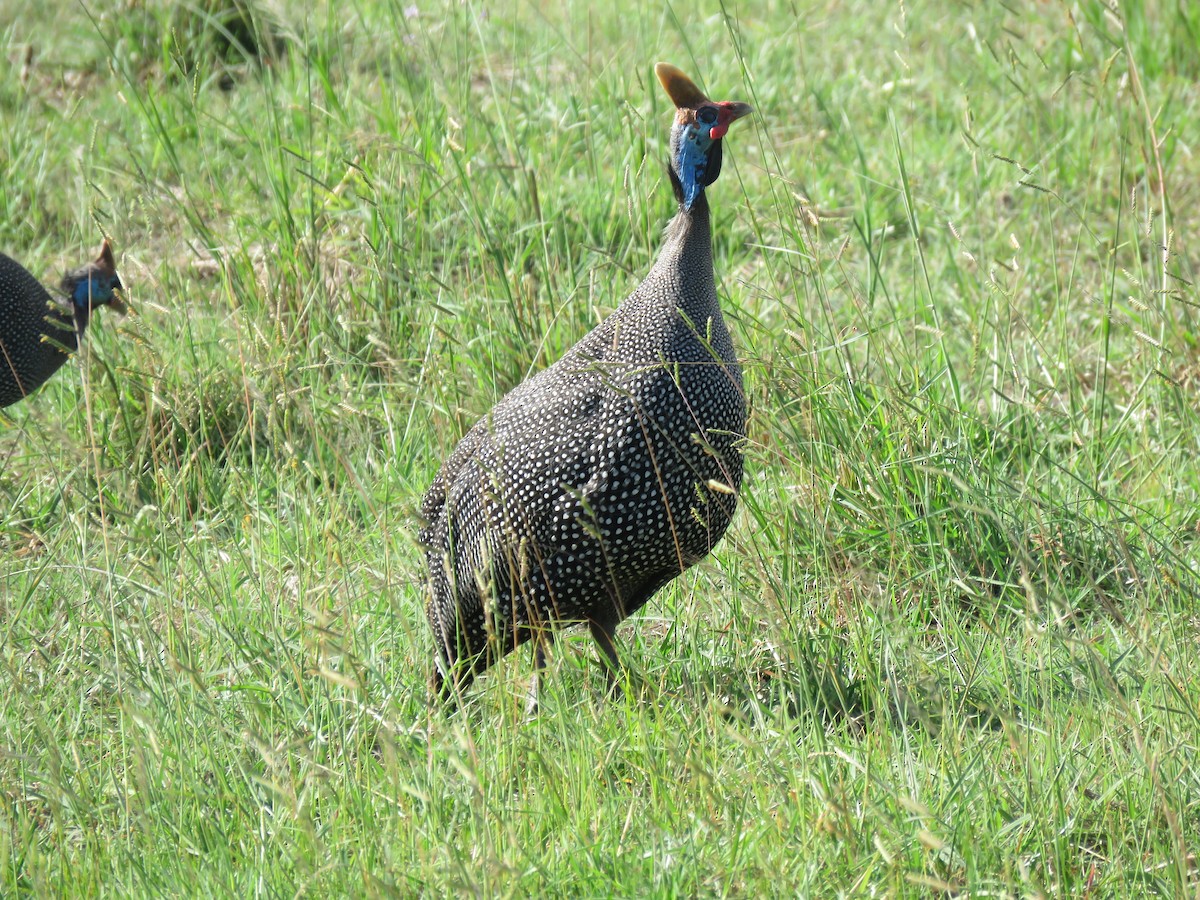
x=603 y=477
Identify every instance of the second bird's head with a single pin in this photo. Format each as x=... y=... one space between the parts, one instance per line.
x=93 y=285
x=700 y=124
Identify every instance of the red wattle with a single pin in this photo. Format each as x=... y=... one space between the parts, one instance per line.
x=718 y=131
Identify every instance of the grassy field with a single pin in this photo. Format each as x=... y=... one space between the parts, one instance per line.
x=950 y=645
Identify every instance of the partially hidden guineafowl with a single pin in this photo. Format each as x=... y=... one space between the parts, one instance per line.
x=599 y=479
x=39 y=332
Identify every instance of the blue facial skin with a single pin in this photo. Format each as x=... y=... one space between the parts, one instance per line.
x=94 y=290
x=691 y=155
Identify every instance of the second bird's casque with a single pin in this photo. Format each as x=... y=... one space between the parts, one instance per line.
x=598 y=480
x=38 y=332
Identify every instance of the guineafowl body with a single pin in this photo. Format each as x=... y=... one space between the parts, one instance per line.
x=38 y=332
x=601 y=478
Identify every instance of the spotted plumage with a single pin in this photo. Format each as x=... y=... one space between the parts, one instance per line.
x=598 y=480
x=39 y=332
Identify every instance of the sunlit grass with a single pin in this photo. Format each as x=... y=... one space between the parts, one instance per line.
x=950 y=641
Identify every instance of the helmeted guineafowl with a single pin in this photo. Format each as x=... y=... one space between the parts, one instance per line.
x=39 y=332
x=595 y=482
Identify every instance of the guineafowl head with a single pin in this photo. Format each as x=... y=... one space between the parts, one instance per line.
x=94 y=285
x=700 y=124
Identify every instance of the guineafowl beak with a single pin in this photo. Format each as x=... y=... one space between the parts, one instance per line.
x=116 y=304
x=728 y=112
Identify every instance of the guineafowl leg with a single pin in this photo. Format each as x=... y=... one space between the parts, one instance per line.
x=541 y=643
x=448 y=688
x=603 y=630
x=452 y=673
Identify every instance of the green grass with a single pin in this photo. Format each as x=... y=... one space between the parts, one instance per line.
x=950 y=643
